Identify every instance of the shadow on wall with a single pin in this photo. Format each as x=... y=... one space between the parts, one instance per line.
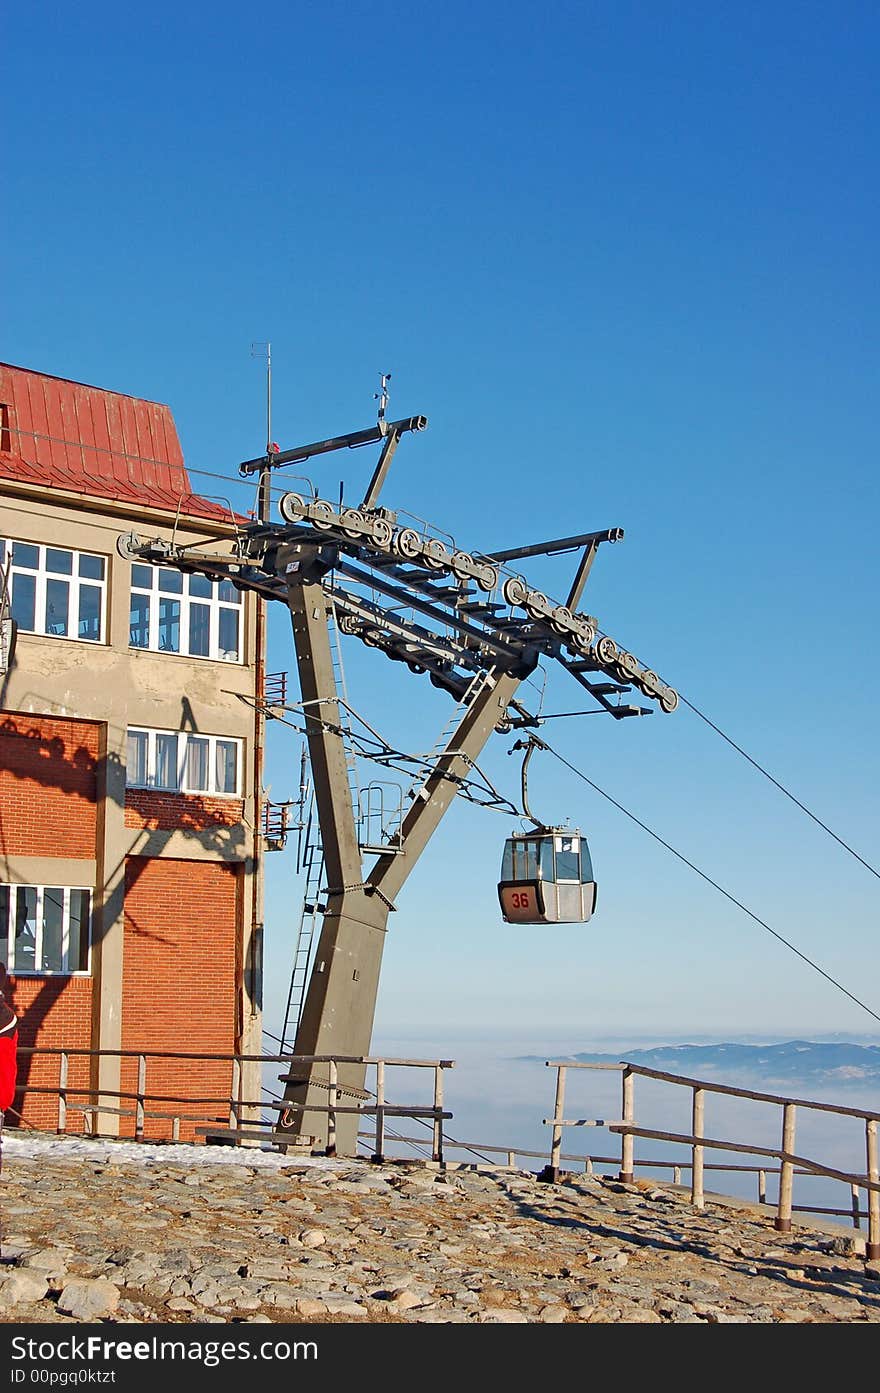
x=76 y=772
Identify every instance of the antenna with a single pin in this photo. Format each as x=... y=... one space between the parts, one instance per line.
x=382 y=398
x=263 y=350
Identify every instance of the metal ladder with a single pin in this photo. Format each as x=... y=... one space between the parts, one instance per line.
x=313 y=856
x=480 y=680
x=313 y=865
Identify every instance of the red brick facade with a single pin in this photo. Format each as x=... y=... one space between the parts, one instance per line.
x=182 y=925
x=48 y=785
x=164 y=812
x=181 y=922
x=55 y=1013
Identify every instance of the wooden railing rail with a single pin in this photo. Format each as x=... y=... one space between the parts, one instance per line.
x=790 y=1162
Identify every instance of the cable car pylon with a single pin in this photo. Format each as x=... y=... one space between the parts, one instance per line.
x=476 y=630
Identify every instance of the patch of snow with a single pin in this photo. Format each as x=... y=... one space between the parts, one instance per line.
x=33 y=1146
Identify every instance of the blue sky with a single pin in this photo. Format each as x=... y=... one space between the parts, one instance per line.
x=623 y=257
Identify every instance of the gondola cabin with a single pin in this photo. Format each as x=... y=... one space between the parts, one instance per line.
x=547 y=878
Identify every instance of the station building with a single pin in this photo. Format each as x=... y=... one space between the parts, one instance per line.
x=130 y=860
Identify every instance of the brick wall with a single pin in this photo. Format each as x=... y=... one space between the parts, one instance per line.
x=165 y=812
x=181 y=928
x=54 y=1012
x=48 y=780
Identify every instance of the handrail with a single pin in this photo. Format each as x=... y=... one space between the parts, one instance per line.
x=101 y=1099
x=790 y=1162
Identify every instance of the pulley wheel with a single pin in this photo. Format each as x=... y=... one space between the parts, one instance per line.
x=382 y=534
x=291 y=507
x=408 y=543
x=487 y=578
x=462 y=565
x=436 y=555
x=669 y=699
x=628 y=665
x=353 y=523
x=560 y=619
x=650 y=684
x=514 y=590
x=606 y=649
x=323 y=514
x=536 y=605
x=127 y=544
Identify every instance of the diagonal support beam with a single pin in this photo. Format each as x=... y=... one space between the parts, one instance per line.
x=434 y=798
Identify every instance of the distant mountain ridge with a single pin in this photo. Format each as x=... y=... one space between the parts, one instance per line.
x=806 y=1060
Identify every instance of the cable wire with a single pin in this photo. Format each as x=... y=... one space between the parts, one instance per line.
x=720 y=888
x=781 y=787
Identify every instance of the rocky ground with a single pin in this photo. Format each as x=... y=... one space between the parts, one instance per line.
x=97 y=1231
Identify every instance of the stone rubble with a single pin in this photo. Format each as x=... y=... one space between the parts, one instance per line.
x=91 y=1238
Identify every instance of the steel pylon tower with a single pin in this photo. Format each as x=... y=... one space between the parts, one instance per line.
x=467 y=621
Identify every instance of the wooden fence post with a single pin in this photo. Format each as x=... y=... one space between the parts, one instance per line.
x=379 y=1146
x=62 y=1093
x=786 y=1170
x=627 y=1143
x=872 y=1247
x=437 y=1153
x=856 y=1206
x=234 y=1094
x=331 y=1109
x=698 y=1152
x=141 y=1095
x=551 y=1172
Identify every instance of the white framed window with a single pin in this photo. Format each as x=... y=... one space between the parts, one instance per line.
x=179 y=762
x=56 y=591
x=45 y=929
x=190 y=614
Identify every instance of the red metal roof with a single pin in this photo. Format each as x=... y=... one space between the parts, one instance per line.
x=66 y=435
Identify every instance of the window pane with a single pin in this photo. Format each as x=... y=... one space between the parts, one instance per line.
x=227 y=591
x=90 y=612
x=24 y=601
x=136 y=758
x=201 y=586
x=169 y=625
x=199 y=629
x=568 y=858
x=166 y=761
x=171 y=581
x=25 y=928
x=139 y=621
x=57 y=605
x=546 y=870
x=586 y=861
x=227 y=766
x=59 y=562
x=53 y=925
x=228 y=638
x=196 y=780
x=23 y=554
x=142 y=577
x=91 y=567
x=4 y=924
x=78 y=948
